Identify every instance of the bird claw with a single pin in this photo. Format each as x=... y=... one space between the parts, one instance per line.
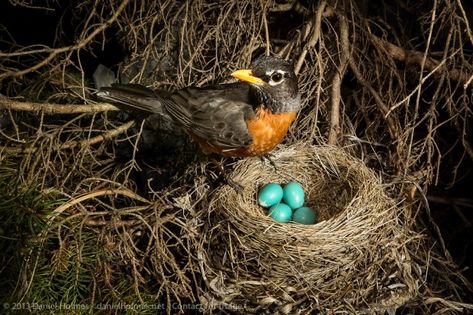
x=238 y=187
x=269 y=157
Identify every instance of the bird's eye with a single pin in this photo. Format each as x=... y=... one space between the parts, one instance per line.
x=276 y=77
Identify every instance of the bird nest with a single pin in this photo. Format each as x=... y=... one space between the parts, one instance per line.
x=355 y=258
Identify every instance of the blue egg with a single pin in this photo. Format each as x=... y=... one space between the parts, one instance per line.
x=281 y=213
x=293 y=195
x=270 y=195
x=304 y=215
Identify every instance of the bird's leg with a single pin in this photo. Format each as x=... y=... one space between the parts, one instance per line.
x=238 y=188
x=269 y=157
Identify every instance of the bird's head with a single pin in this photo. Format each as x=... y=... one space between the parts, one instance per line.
x=275 y=81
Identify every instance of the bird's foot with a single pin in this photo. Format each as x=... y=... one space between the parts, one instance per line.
x=238 y=187
x=269 y=157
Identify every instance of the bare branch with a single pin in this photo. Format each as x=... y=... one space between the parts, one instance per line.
x=72 y=144
x=54 y=52
x=50 y=109
x=417 y=58
x=314 y=38
x=334 y=130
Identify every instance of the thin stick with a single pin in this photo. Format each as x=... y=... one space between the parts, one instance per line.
x=419 y=58
x=314 y=38
x=337 y=83
x=72 y=144
x=95 y=194
x=48 y=108
x=266 y=31
x=54 y=52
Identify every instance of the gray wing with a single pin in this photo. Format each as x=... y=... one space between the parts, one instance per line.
x=217 y=115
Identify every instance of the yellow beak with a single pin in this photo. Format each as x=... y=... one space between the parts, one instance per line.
x=247 y=76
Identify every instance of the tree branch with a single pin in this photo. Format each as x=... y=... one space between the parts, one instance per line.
x=53 y=52
x=50 y=109
x=314 y=38
x=417 y=58
x=72 y=144
x=334 y=130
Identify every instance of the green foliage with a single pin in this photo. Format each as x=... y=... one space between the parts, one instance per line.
x=56 y=266
x=22 y=212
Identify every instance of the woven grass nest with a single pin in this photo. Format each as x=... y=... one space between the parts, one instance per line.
x=355 y=259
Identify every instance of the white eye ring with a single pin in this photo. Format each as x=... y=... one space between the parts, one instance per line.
x=276 y=77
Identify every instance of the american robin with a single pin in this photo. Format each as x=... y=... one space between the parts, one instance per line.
x=247 y=118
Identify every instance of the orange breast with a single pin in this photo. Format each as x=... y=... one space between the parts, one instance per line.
x=267 y=131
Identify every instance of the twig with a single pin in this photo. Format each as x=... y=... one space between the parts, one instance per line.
x=266 y=30
x=111 y=224
x=54 y=52
x=291 y=5
x=95 y=194
x=470 y=36
x=425 y=201
x=465 y=20
x=337 y=82
x=314 y=38
x=72 y=144
x=417 y=58
x=416 y=89
x=282 y=7
x=452 y=305
x=392 y=126
x=48 y=108
x=466 y=145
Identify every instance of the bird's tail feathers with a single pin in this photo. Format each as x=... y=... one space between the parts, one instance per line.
x=133 y=96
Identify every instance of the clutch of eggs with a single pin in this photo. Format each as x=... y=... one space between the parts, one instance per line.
x=286 y=204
